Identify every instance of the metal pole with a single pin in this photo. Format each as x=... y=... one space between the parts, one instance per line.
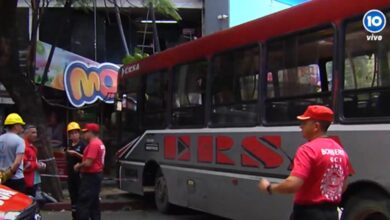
x=94 y=30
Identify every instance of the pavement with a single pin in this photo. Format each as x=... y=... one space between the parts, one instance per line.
x=135 y=214
x=112 y=199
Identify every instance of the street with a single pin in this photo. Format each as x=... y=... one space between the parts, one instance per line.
x=135 y=214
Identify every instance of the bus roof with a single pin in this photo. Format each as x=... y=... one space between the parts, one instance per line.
x=311 y=14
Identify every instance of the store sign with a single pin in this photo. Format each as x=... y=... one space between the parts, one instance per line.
x=86 y=84
x=60 y=60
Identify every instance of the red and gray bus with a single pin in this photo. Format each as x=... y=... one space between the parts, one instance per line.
x=209 y=118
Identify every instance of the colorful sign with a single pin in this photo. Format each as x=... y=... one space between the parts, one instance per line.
x=85 y=84
x=61 y=59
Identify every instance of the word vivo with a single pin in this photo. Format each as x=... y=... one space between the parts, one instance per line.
x=374 y=37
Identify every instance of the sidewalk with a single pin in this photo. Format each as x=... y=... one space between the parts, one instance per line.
x=112 y=199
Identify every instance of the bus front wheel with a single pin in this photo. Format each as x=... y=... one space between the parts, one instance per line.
x=369 y=205
x=161 y=193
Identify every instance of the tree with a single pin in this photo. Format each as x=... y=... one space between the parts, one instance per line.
x=165 y=7
x=23 y=90
x=120 y=27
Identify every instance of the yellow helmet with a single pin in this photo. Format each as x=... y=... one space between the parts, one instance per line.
x=13 y=118
x=73 y=126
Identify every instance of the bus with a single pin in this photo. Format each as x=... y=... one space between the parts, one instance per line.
x=207 y=119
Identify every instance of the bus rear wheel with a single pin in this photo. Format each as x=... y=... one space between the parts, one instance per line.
x=161 y=193
x=369 y=205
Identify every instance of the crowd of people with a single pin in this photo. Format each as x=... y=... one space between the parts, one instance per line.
x=20 y=167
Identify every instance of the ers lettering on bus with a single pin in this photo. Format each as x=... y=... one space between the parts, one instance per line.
x=254 y=151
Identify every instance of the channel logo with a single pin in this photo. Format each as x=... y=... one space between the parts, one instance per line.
x=374 y=21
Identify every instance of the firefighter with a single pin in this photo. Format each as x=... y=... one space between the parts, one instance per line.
x=320 y=170
x=12 y=149
x=91 y=169
x=74 y=154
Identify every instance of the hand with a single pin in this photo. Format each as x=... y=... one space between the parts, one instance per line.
x=41 y=166
x=263 y=184
x=5 y=175
x=27 y=165
x=77 y=167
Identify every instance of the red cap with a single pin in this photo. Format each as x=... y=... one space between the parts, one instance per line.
x=91 y=127
x=317 y=112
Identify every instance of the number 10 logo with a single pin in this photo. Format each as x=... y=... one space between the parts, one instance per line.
x=374 y=21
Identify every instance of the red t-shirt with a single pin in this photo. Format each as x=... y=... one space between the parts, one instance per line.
x=323 y=165
x=96 y=151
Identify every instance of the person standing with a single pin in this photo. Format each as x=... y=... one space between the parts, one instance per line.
x=12 y=149
x=74 y=154
x=320 y=170
x=32 y=177
x=91 y=169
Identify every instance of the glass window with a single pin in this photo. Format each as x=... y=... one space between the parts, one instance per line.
x=189 y=87
x=131 y=90
x=129 y=96
x=366 y=72
x=298 y=74
x=156 y=93
x=235 y=87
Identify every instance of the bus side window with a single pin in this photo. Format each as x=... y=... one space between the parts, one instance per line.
x=129 y=115
x=366 y=74
x=297 y=74
x=189 y=87
x=235 y=87
x=155 y=100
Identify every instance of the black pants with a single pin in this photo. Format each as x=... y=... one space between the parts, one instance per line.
x=32 y=191
x=88 y=204
x=324 y=211
x=73 y=188
x=16 y=184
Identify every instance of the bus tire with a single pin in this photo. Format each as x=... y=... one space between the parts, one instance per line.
x=161 y=193
x=369 y=205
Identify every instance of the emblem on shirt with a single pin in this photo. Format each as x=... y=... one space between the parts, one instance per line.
x=332 y=182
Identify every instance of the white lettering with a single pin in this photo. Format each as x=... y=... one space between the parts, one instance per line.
x=5 y=195
x=336 y=159
x=373 y=37
x=130 y=69
x=332 y=152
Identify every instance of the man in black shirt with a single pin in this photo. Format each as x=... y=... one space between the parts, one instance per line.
x=74 y=154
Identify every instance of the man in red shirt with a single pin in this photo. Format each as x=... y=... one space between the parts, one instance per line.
x=91 y=169
x=320 y=170
x=31 y=165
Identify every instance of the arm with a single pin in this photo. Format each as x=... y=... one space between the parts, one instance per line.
x=90 y=155
x=29 y=162
x=290 y=185
x=86 y=163
x=75 y=153
x=18 y=160
x=20 y=150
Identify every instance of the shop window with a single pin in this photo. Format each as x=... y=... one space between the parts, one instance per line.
x=366 y=91
x=235 y=87
x=298 y=74
x=189 y=88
